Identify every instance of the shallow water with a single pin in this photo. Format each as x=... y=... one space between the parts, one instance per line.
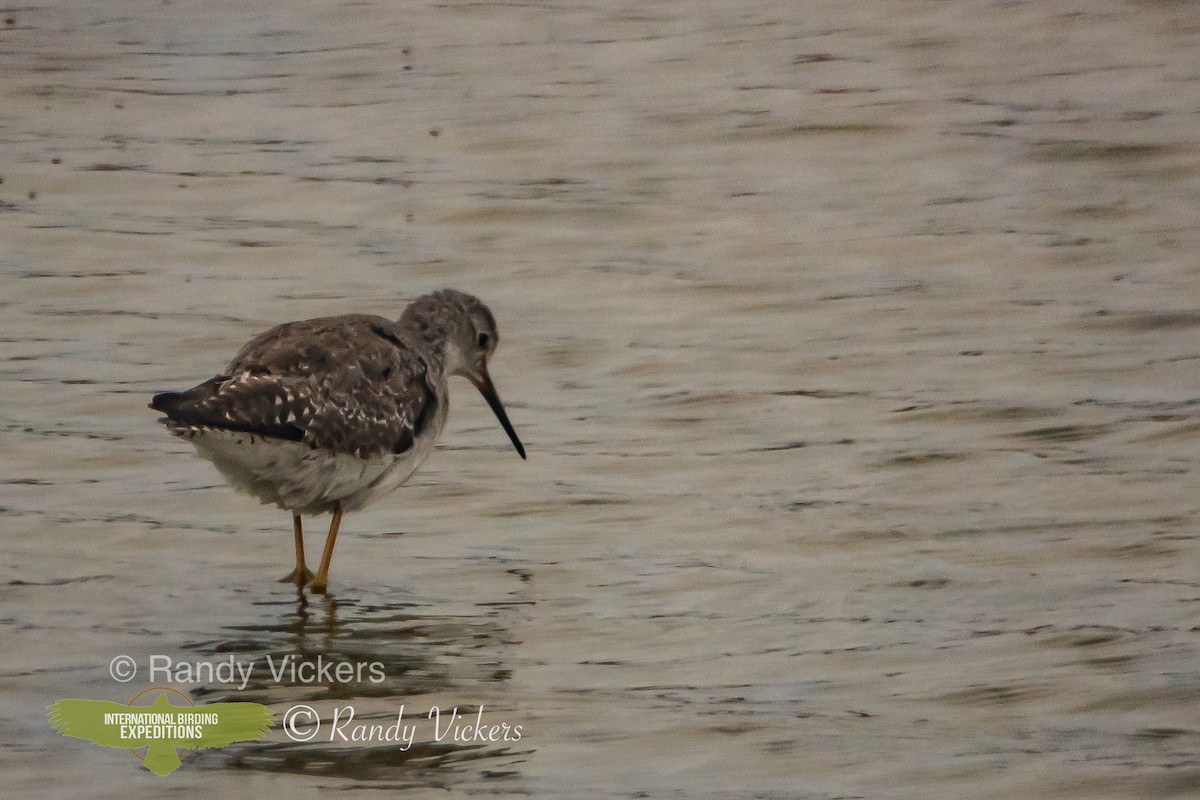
x=854 y=347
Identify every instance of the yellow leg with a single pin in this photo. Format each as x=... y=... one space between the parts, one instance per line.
x=321 y=582
x=301 y=574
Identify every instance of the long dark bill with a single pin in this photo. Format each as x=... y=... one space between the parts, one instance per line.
x=488 y=390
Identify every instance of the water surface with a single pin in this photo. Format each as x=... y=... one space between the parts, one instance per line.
x=854 y=348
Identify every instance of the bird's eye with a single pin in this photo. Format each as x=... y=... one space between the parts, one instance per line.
x=484 y=340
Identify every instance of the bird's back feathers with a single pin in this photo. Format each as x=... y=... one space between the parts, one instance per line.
x=356 y=385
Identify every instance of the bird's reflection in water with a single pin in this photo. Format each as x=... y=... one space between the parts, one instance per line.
x=334 y=653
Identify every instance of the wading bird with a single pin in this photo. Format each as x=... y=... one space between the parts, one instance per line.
x=327 y=415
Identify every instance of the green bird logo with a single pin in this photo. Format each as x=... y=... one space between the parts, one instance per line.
x=161 y=726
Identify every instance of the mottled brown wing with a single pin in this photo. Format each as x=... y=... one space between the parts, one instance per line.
x=347 y=384
x=316 y=346
x=355 y=411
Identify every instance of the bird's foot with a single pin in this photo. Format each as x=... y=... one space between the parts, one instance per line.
x=318 y=585
x=301 y=579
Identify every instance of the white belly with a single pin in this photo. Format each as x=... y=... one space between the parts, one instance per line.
x=300 y=479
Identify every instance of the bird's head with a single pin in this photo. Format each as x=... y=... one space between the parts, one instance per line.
x=462 y=330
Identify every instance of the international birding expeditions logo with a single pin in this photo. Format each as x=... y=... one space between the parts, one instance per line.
x=161 y=728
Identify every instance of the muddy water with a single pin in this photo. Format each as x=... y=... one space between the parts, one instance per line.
x=854 y=346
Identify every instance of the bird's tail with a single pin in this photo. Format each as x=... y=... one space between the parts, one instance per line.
x=166 y=402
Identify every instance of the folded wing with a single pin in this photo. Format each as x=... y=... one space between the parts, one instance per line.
x=346 y=384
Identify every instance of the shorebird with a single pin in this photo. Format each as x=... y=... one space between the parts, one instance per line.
x=326 y=415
